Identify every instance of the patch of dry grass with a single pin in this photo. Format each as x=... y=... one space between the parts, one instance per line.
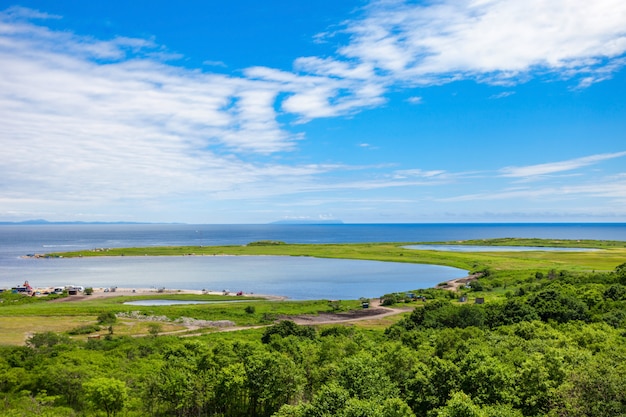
x=16 y=330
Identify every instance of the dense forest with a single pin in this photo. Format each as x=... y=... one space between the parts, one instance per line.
x=554 y=345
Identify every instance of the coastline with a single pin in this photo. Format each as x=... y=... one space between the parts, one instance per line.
x=450 y=285
x=457 y=283
x=106 y=293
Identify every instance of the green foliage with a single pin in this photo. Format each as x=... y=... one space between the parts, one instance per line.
x=88 y=291
x=559 y=306
x=107 y=317
x=154 y=329
x=395 y=298
x=441 y=314
x=46 y=339
x=266 y=243
x=107 y=394
x=615 y=292
x=8 y=298
x=288 y=328
x=85 y=329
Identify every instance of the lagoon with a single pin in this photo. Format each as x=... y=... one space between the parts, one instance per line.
x=297 y=278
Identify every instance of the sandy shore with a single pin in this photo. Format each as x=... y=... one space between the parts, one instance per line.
x=456 y=284
x=451 y=285
x=106 y=292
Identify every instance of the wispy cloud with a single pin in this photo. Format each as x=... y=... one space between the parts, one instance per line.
x=418 y=173
x=604 y=189
x=503 y=94
x=494 y=41
x=556 y=167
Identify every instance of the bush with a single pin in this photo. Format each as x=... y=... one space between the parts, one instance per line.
x=266 y=243
x=46 y=339
x=107 y=318
x=288 y=328
x=552 y=304
x=86 y=329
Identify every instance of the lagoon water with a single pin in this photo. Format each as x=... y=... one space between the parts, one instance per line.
x=297 y=278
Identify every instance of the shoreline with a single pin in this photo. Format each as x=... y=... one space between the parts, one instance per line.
x=102 y=292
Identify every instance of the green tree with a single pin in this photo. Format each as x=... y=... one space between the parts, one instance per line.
x=107 y=317
x=620 y=271
x=460 y=405
x=154 y=329
x=365 y=378
x=108 y=394
x=46 y=339
x=288 y=328
x=595 y=388
x=272 y=379
x=615 y=292
x=557 y=305
x=432 y=384
x=486 y=378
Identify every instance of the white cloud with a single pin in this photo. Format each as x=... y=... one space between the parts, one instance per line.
x=503 y=94
x=18 y=12
x=409 y=173
x=555 y=167
x=489 y=40
x=215 y=63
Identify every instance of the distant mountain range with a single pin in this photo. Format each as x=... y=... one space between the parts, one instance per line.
x=42 y=221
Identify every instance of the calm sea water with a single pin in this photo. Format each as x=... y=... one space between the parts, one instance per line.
x=297 y=278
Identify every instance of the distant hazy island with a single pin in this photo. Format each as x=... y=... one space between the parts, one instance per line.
x=43 y=222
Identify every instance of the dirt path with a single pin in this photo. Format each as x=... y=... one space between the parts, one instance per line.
x=376 y=311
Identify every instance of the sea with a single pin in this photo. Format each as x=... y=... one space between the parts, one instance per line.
x=297 y=278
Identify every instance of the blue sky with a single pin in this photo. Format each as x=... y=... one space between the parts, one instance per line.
x=384 y=111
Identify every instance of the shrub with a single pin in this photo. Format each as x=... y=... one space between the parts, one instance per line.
x=107 y=318
x=86 y=329
x=266 y=243
x=288 y=328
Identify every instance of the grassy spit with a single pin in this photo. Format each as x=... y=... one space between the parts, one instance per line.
x=612 y=253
